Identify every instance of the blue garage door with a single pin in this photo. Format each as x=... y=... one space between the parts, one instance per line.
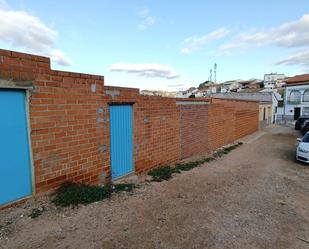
x=15 y=170
x=121 y=133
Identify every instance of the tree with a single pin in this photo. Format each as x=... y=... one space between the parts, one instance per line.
x=202 y=85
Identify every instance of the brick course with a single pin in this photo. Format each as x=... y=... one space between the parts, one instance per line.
x=70 y=136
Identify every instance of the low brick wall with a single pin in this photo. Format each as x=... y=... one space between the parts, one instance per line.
x=204 y=128
x=246 y=113
x=194 y=139
x=156 y=133
x=70 y=129
x=221 y=125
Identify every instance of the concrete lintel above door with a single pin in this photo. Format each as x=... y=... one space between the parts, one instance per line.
x=16 y=84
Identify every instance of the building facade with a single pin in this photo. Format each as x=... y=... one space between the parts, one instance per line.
x=274 y=80
x=230 y=86
x=296 y=97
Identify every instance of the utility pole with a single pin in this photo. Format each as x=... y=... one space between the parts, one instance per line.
x=210 y=75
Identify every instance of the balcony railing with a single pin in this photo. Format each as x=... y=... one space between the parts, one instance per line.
x=294 y=102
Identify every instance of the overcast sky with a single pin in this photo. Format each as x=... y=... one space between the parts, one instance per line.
x=160 y=44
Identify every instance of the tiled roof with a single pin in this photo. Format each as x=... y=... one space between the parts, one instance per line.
x=299 y=79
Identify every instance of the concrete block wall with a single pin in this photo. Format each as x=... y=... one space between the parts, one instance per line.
x=70 y=130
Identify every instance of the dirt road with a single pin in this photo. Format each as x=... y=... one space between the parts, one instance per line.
x=255 y=197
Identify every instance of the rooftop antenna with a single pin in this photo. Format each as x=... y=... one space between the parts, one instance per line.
x=215 y=73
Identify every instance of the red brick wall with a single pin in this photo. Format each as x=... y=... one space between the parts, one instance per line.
x=69 y=124
x=65 y=134
x=204 y=128
x=246 y=113
x=194 y=130
x=156 y=133
x=221 y=126
x=156 y=128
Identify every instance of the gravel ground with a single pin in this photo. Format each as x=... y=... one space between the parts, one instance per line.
x=255 y=197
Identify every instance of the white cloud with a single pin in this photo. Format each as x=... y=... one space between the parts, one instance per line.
x=152 y=70
x=60 y=58
x=195 y=43
x=23 y=30
x=288 y=35
x=146 y=19
x=296 y=59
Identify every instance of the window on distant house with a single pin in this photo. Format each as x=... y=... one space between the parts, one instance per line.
x=295 y=96
x=306 y=96
x=280 y=103
x=305 y=111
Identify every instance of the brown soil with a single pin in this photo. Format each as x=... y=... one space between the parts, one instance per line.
x=255 y=197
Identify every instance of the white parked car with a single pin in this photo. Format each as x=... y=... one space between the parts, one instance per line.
x=302 y=152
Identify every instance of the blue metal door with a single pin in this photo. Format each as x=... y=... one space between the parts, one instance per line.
x=121 y=137
x=15 y=170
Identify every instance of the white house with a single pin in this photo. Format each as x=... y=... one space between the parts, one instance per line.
x=296 y=97
x=277 y=107
x=230 y=86
x=187 y=93
x=274 y=80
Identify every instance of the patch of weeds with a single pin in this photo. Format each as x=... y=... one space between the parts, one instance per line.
x=208 y=159
x=191 y=165
x=187 y=166
x=226 y=150
x=233 y=147
x=127 y=187
x=165 y=173
x=36 y=212
x=161 y=174
x=219 y=153
x=73 y=194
